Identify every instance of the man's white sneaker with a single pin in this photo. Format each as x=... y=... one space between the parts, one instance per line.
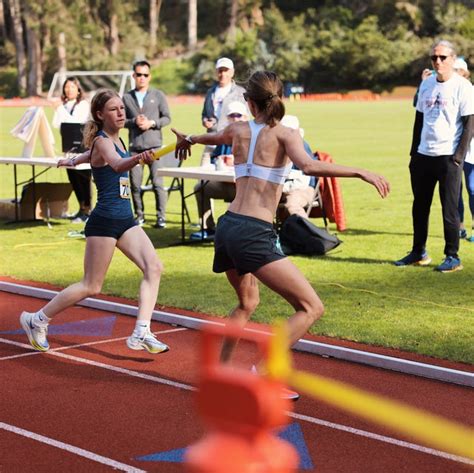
x=36 y=334
x=147 y=342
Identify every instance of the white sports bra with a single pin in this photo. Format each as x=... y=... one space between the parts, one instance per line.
x=250 y=169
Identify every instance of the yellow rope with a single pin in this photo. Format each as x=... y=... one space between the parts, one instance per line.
x=433 y=430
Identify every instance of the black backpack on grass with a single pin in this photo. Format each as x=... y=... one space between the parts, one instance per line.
x=299 y=236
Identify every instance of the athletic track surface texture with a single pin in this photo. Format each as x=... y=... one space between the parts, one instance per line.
x=90 y=404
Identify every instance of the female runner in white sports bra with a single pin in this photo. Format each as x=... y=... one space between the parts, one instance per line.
x=245 y=242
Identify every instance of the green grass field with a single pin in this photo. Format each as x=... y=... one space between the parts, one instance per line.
x=367 y=299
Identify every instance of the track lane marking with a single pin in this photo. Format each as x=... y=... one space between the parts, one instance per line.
x=382 y=438
x=303 y=417
x=79 y=345
x=98 y=364
x=71 y=449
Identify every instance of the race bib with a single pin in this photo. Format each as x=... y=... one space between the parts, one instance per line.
x=124 y=188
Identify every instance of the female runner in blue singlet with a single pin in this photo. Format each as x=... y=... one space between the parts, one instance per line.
x=110 y=225
x=246 y=246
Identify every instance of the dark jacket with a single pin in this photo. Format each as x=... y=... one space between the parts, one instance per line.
x=155 y=107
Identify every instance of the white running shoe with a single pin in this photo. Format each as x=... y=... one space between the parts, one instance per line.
x=147 y=342
x=285 y=392
x=36 y=334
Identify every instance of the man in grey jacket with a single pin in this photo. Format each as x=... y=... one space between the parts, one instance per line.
x=147 y=113
x=217 y=100
x=220 y=95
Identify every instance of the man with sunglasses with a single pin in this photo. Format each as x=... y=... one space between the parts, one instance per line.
x=147 y=113
x=441 y=136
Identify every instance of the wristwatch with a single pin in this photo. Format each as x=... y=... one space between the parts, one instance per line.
x=73 y=161
x=189 y=139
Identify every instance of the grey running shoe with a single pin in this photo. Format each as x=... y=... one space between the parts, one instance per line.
x=36 y=334
x=148 y=342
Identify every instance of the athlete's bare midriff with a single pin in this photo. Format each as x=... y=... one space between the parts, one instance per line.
x=256 y=197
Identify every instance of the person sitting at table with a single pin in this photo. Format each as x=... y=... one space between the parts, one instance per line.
x=75 y=109
x=205 y=191
x=298 y=188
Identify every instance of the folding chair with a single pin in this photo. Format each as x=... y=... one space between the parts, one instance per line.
x=314 y=210
x=167 y=161
x=317 y=203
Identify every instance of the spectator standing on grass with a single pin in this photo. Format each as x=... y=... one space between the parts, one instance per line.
x=74 y=108
x=147 y=113
x=219 y=97
x=460 y=66
x=111 y=225
x=441 y=137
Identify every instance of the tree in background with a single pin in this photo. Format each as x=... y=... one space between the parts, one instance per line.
x=192 y=24
x=17 y=33
x=154 y=20
x=323 y=44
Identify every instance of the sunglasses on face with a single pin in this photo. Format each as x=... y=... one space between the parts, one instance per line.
x=441 y=58
x=235 y=115
x=141 y=74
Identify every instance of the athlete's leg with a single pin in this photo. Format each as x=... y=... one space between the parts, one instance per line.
x=246 y=288
x=136 y=245
x=97 y=258
x=285 y=278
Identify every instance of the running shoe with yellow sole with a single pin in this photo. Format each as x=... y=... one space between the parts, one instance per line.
x=147 y=342
x=36 y=334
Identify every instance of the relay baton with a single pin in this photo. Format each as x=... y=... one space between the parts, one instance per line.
x=159 y=153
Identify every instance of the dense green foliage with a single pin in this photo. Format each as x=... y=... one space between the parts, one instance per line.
x=325 y=45
x=367 y=299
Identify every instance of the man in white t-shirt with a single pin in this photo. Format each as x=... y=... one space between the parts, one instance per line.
x=441 y=136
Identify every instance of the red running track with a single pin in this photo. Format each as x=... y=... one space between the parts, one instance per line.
x=90 y=404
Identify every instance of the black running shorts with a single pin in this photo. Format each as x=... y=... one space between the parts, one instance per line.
x=245 y=244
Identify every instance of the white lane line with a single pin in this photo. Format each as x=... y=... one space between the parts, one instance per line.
x=97 y=364
x=80 y=345
x=71 y=448
x=381 y=438
x=310 y=419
